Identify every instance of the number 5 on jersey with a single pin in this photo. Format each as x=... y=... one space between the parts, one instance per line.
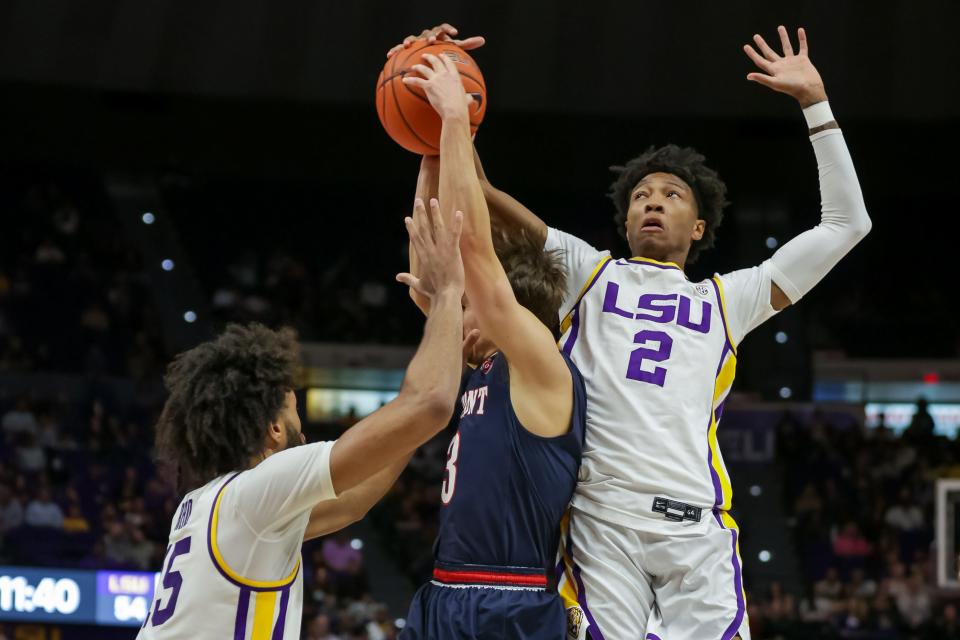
x=450 y=472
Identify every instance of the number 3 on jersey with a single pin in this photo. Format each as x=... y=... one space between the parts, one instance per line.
x=450 y=472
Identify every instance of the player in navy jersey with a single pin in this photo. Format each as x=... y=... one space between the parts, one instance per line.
x=512 y=465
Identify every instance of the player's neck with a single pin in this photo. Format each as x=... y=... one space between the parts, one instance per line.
x=678 y=259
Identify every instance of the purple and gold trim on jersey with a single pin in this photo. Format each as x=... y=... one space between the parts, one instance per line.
x=650 y=262
x=268 y=619
x=224 y=568
x=726 y=372
x=718 y=287
x=572 y=319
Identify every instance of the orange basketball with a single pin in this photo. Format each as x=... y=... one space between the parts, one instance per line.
x=406 y=113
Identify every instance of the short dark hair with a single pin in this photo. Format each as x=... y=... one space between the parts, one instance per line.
x=223 y=395
x=709 y=190
x=537 y=277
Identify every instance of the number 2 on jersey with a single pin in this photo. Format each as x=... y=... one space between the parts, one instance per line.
x=450 y=472
x=635 y=370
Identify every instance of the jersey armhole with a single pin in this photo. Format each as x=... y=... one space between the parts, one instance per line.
x=721 y=300
x=594 y=276
x=217 y=557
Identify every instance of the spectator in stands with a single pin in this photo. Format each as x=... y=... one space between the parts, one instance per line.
x=914 y=603
x=947 y=627
x=19 y=419
x=905 y=515
x=116 y=543
x=42 y=511
x=345 y=561
x=30 y=456
x=884 y=617
x=319 y=629
x=921 y=429
x=861 y=586
x=75 y=521
x=849 y=543
x=140 y=551
x=11 y=511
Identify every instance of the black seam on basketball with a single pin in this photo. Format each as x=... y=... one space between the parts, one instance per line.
x=410 y=89
x=477 y=80
x=392 y=76
x=396 y=102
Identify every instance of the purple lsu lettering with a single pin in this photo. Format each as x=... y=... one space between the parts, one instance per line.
x=655 y=346
x=473 y=401
x=662 y=308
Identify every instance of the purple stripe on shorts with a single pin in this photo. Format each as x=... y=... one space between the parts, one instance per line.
x=282 y=617
x=594 y=630
x=734 y=627
x=652 y=636
x=243 y=604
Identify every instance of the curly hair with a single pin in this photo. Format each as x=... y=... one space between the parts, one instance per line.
x=223 y=395
x=537 y=277
x=709 y=190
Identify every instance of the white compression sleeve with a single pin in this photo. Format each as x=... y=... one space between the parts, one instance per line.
x=804 y=261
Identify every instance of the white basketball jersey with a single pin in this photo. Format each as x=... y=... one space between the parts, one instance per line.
x=658 y=355
x=232 y=568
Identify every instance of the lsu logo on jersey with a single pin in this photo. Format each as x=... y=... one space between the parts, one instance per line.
x=576 y=624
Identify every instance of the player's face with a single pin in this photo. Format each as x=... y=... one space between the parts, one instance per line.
x=662 y=219
x=290 y=420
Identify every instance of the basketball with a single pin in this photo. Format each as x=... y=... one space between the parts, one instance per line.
x=406 y=113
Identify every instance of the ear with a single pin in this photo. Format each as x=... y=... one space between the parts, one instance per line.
x=275 y=435
x=698 y=230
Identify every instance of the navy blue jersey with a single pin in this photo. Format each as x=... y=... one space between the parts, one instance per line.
x=505 y=489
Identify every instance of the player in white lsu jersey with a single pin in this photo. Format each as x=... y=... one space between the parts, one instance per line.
x=651 y=550
x=232 y=568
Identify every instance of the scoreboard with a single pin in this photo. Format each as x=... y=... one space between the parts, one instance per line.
x=67 y=596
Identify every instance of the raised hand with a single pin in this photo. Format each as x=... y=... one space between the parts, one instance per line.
x=438 y=252
x=441 y=82
x=792 y=73
x=442 y=33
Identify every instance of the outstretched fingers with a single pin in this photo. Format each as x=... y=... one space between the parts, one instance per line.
x=758 y=60
x=765 y=49
x=802 y=37
x=785 y=41
x=760 y=78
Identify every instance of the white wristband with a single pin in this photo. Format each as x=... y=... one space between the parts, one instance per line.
x=818 y=114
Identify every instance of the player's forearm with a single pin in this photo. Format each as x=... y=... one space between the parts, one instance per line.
x=459 y=185
x=353 y=505
x=422 y=408
x=486 y=283
x=505 y=210
x=427 y=187
x=804 y=261
x=434 y=372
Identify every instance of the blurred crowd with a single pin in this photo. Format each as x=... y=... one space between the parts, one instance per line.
x=73 y=297
x=861 y=503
